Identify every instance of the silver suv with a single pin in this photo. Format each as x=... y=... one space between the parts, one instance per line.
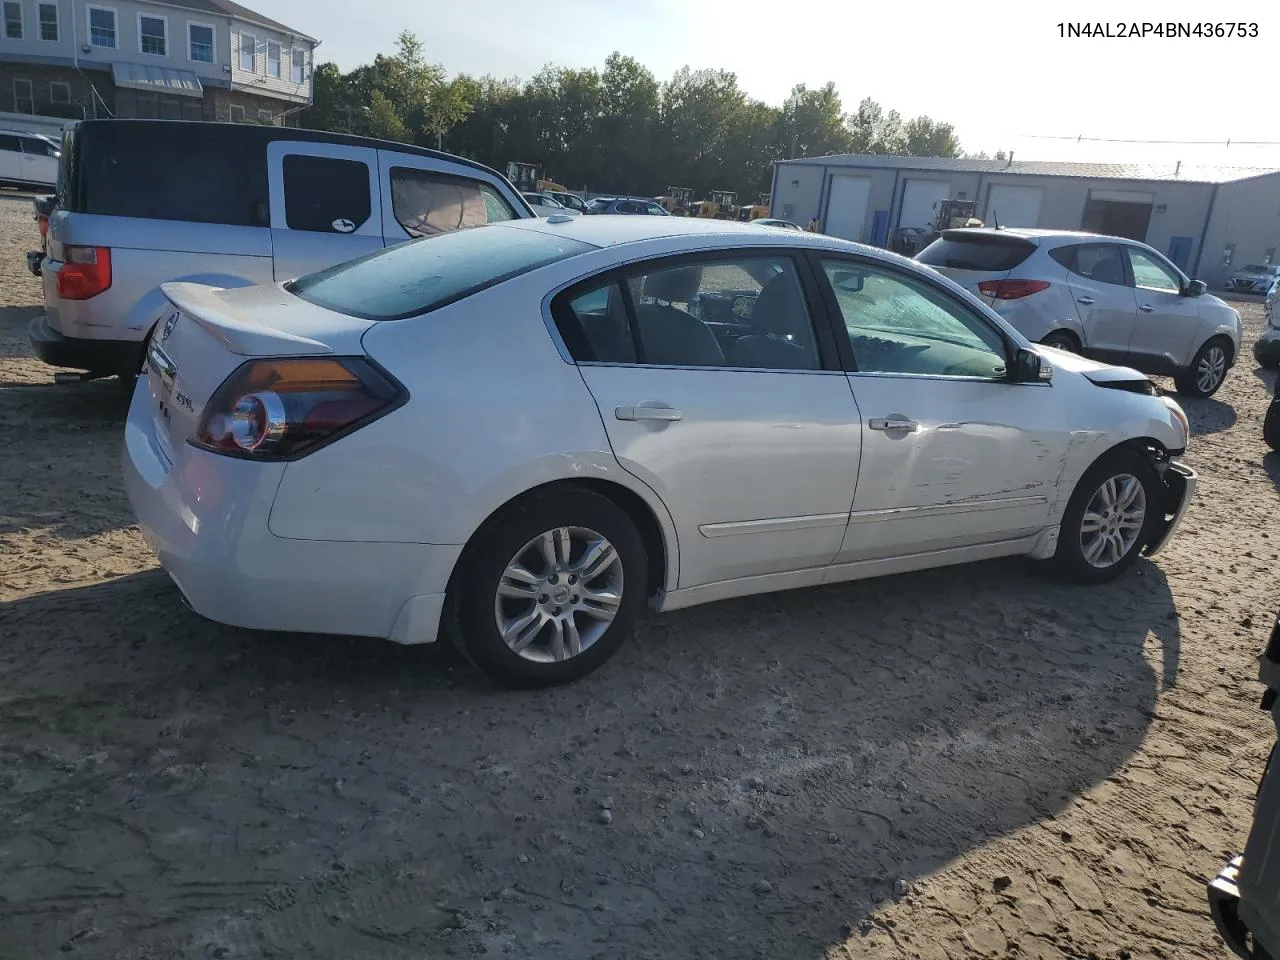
x=143 y=202
x=1109 y=298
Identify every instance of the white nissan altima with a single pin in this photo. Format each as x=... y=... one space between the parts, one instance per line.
x=519 y=435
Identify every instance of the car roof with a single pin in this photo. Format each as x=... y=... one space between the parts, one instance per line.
x=25 y=133
x=1043 y=236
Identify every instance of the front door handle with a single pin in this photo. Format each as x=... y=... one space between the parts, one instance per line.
x=1087 y=301
x=891 y=424
x=1146 y=308
x=646 y=411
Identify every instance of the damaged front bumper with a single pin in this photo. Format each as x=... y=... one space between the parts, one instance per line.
x=1180 y=484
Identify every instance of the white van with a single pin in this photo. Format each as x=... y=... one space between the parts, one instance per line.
x=28 y=159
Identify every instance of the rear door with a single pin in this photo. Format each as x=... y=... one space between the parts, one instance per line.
x=39 y=165
x=1166 y=325
x=10 y=157
x=423 y=197
x=326 y=206
x=1098 y=276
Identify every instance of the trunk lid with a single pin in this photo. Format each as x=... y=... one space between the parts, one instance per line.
x=970 y=256
x=206 y=333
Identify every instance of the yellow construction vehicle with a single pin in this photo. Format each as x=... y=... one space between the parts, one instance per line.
x=721 y=206
x=676 y=201
x=754 y=211
x=527 y=178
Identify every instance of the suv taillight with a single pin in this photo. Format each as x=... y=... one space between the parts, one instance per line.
x=1011 y=289
x=279 y=409
x=85 y=273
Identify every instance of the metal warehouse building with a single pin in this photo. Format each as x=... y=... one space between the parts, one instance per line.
x=1208 y=220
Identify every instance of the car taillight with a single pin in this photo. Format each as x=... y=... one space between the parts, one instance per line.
x=280 y=409
x=1011 y=289
x=85 y=273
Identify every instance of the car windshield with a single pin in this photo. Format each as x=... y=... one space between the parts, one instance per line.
x=418 y=276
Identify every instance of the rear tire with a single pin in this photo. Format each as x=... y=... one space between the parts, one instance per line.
x=553 y=573
x=1271 y=425
x=1063 y=340
x=1208 y=370
x=1109 y=519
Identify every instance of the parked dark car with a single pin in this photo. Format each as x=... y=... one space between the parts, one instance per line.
x=1271 y=423
x=627 y=205
x=1245 y=897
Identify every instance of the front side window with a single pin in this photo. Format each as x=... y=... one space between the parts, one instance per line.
x=326 y=194
x=418 y=276
x=248 y=53
x=299 y=70
x=1150 y=274
x=49 y=22
x=102 y=27
x=273 y=59
x=23 y=97
x=654 y=210
x=899 y=324
x=200 y=43
x=426 y=203
x=13 y=21
x=153 y=36
x=35 y=147
x=1099 y=262
x=744 y=312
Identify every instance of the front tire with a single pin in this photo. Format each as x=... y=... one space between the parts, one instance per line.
x=1063 y=340
x=1109 y=518
x=1271 y=425
x=1208 y=370
x=551 y=589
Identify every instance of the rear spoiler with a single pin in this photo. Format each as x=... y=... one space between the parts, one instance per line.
x=243 y=334
x=986 y=236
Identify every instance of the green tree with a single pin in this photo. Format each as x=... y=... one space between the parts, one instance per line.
x=812 y=123
x=923 y=137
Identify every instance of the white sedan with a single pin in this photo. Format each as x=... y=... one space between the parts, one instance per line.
x=545 y=205
x=519 y=435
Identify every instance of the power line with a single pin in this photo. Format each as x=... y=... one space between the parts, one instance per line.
x=1190 y=143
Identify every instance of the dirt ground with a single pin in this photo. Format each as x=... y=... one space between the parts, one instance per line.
x=976 y=762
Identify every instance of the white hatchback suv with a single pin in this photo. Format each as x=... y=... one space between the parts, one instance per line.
x=27 y=159
x=1108 y=298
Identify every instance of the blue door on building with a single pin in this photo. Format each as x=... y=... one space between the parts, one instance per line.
x=1180 y=252
x=880 y=228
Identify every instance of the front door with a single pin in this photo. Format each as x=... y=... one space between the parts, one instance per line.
x=714 y=392
x=325 y=205
x=1166 y=324
x=39 y=165
x=1103 y=298
x=954 y=455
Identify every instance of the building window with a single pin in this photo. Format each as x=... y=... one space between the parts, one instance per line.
x=24 y=100
x=49 y=22
x=200 y=42
x=13 y=19
x=237 y=113
x=273 y=59
x=266 y=116
x=248 y=53
x=59 y=92
x=102 y=27
x=153 y=35
x=299 y=74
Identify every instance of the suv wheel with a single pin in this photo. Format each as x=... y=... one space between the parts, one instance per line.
x=551 y=589
x=1063 y=340
x=1208 y=370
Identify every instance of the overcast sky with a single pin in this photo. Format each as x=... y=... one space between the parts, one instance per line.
x=996 y=69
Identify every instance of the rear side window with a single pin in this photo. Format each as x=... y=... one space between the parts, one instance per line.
x=9 y=143
x=422 y=275
x=599 y=206
x=426 y=203
x=123 y=169
x=993 y=254
x=326 y=194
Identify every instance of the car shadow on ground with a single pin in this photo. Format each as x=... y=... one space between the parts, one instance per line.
x=1267 y=377
x=772 y=768
x=1207 y=415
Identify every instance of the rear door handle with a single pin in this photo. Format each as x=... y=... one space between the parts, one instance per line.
x=1087 y=301
x=893 y=423
x=1146 y=308
x=648 y=412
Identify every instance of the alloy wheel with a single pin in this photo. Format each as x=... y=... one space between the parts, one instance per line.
x=1113 y=520
x=1211 y=369
x=558 y=594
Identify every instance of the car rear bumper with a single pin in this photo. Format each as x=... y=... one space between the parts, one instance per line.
x=98 y=356
x=206 y=515
x=1180 y=480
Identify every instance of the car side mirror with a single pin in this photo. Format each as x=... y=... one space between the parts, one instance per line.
x=1030 y=367
x=848 y=281
x=1195 y=288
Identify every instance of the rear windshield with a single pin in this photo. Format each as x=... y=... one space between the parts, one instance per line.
x=987 y=254
x=422 y=275
x=599 y=204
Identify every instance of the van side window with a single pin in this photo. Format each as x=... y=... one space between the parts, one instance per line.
x=325 y=194
x=426 y=203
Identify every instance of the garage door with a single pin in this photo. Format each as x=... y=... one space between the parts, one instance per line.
x=847 y=207
x=1013 y=206
x=920 y=200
